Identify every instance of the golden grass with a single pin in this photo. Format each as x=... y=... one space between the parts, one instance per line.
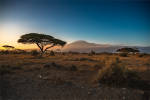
x=35 y=70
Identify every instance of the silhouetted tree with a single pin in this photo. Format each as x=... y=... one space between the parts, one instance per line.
x=127 y=50
x=8 y=47
x=92 y=52
x=44 y=42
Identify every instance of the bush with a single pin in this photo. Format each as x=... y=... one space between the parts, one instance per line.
x=123 y=54
x=100 y=65
x=34 y=53
x=73 y=68
x=118 y=60
x=142 y=55
x=72 y=52
x=117 y=75
x=53 y=64
x=52 y=53
x=91 y=53
x=105 y=53
x=4 y=52
x=47 y=66
x=56 y=65
x=85 y=59
x=63 y=53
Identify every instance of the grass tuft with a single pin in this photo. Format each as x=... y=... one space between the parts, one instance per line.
x=117 y=75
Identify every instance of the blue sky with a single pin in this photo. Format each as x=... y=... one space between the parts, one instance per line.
x=124 y=22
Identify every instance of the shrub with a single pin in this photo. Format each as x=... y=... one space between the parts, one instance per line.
x=85 y=59
x=123 y=54
x=105 y=53
x=53 y=64
x=91 y=53
x=52 y=53
x=82 y=59
x=4 y=52
x=100 y=65
x=63 y=53
x=72 y=52
x=97 y=67
x=47 y=66
x=118 y=60
x=56 y=65
x=34 y=53
x=142 y=55
x=117 y=75
x=73 y=68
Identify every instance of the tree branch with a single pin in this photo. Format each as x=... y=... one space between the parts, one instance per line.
x=41 y=48
x=49 y=47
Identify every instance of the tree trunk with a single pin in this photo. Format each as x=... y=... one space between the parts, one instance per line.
x=41 y=49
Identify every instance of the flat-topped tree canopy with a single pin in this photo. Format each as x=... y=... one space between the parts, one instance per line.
x=128 y=50
x=41 y=40
x=35 y=38
x=8 y=47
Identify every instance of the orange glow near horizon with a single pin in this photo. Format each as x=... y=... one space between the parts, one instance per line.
x=10 y=33
x=19 y=46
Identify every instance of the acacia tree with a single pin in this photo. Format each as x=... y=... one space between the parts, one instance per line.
x=127 y=50
x=44 y=42
x=8 y=47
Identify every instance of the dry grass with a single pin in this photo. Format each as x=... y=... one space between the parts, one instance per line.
x=69 y=71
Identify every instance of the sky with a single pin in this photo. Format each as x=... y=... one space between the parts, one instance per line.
x=117 y=22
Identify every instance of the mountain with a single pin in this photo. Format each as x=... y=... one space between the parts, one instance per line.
x=84 y=46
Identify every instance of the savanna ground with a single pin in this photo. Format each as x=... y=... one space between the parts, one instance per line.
x=70 y=77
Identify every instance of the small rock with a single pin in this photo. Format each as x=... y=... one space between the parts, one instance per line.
x=89 y=92
x=40 y=76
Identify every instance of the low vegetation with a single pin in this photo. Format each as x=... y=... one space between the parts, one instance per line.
x=88 y=74
x=73 y=68
x=128 y=50
x=118 y=75
x=123 y=54
x=34 y=53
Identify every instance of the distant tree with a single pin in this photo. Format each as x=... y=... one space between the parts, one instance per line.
x=19 y=51
x=127 y=50
x=8 y=47
x=44 y=42
x=92 y=53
